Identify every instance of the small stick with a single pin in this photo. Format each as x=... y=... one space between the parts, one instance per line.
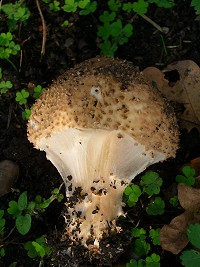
x=44 y=28
x=161 y=29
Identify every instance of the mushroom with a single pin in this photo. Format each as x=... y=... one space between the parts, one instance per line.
x=101 y=124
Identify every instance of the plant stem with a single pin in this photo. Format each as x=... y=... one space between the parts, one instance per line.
x=161 y=29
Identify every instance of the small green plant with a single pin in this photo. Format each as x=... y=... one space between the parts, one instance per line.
x=174 y=201
x=156 y=206
x=2 y=253
x=131 y=195
x=135 y=263
x=8 y=46
x=196 y=5
x=151 y=183
x=16 y=12
x=191 y=258
x=113 y=33
x=153 y=260
x=141 y=247
x=2 y=222
x=5 y=86
x=38 y=91
x=189 y=176
x=26 y=114
x=23 y=210
x=21 y=97
x=154 y=234
x=18 y=209
x=38 y=248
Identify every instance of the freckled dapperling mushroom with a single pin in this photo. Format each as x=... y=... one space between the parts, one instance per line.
x=101 y=124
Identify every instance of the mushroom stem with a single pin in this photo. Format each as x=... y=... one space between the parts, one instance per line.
x=95 y=165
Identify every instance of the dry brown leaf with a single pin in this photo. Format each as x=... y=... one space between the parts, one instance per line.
x=173 y=237
x=195 y=163
x=185 y=91
x=189 y=197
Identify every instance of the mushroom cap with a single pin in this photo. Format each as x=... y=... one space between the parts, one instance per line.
x=109 y=94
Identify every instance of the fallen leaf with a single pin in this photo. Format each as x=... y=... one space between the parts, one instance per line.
x=173 y=236
x=189 y=197
x=185 y=91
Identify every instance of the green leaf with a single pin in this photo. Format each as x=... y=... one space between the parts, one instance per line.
x=116 y=28
x=13 y=208
x=134 y=263
x=193 y=233
x=196 y=5
x=153 y=260
x=1 y=214
x=23 y=224
x=151 y=183
x=31 y=206
x=137 y=232
x=107 y=16
x=174 y=201
x=2 y=253
x=22 y=96
x=108 y=48
x=26 y=114
x=140 y=7
x=83 y=3
x=128 y=30
x=127 y=7
x=90 y=8
x=189 y=178
x=190 y=258
x=39 y=249
x=22 y=201
x=188 y=171
x=156 y=206
x=70 y=6
x=163 y=3
x=155 y=235
x=128 y=190
x=32 y=253
x=114 y=5
x=141 y=247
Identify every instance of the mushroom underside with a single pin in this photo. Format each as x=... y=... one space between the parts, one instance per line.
x=96 y=166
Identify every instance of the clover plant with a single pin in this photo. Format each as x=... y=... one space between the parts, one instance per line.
x=131 y=194
x=38 y=248
x=189 y=176
x=191 y=258
x=2 y=222
x=23 y=210
x=156 y=206
x=154 y=234
x=16 y=12
x=151 y=183
x=174 y=201
x=22 y=96
x=7 y=46
x=196 y=5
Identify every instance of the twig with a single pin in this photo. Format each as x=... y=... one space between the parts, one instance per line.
x=161 y=29
x=44 y=28
x=9 y=116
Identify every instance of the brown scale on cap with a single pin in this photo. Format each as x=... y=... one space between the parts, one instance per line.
x=102 y=123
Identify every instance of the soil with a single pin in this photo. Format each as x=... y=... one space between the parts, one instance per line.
x=64 y=48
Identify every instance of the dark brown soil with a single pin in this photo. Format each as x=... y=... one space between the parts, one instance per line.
x=64 y=48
